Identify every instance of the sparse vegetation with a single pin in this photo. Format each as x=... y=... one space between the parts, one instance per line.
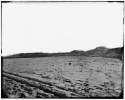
x=62 y=77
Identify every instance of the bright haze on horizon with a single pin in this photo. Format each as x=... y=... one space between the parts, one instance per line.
x=60 y=27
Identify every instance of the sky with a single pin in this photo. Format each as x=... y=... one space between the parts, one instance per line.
x=60 y=27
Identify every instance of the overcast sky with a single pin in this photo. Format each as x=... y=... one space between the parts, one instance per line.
x=60 y=27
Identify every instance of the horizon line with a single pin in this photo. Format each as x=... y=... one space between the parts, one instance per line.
x=59 y=52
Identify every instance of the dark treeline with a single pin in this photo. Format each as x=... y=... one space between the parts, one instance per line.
x=97 y=52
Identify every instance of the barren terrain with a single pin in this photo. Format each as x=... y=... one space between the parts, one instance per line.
x=62 y=77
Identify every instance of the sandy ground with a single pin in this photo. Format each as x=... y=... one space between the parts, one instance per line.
x=58 y=77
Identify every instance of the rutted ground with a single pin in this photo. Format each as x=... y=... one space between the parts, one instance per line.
x=56 y=77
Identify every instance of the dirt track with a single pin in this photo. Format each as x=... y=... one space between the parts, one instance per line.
x=59 y=77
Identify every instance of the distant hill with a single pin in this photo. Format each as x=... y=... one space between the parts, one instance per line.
x=97 y=52
x=105 y=52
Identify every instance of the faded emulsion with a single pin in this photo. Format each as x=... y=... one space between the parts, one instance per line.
x=93 y=74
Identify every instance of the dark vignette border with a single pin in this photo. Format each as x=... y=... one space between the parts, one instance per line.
x=3 y=94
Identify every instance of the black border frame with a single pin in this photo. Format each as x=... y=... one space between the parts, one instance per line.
x=3 y=95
